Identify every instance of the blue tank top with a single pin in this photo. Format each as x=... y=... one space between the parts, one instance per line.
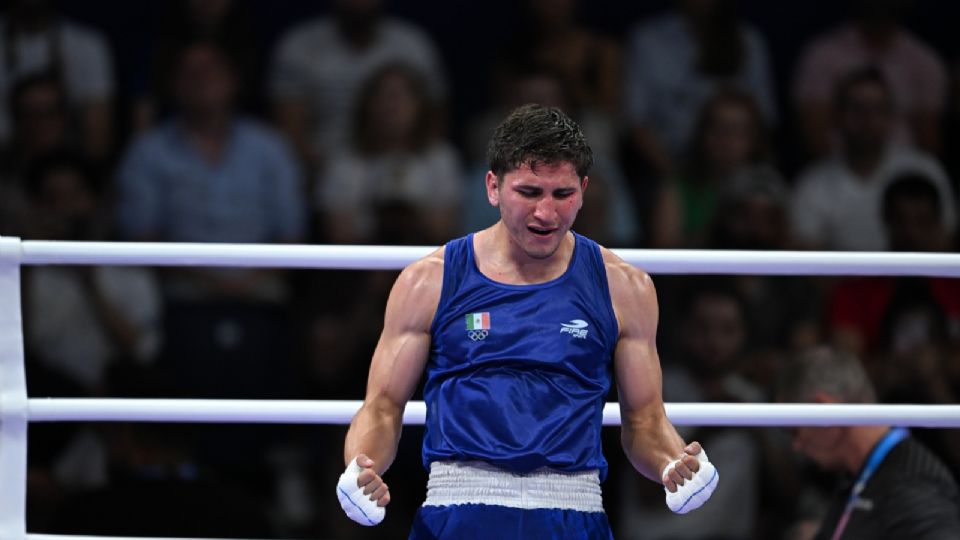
x=518 y=374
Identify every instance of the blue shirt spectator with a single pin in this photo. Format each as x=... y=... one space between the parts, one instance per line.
x=169 y=191
x=211 y=175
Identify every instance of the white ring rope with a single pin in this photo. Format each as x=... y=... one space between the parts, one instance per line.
x=14 y=252
x=38 y=252
x=35 y=536
x=340 y=412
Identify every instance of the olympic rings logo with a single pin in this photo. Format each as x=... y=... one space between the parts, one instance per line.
x=478 y=335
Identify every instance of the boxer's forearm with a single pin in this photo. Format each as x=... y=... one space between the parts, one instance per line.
x=650 y=442
x=375 y=431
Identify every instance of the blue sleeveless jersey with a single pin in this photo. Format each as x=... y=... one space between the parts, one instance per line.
x=518 y=374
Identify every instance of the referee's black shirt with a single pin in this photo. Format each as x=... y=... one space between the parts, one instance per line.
x=911 y=496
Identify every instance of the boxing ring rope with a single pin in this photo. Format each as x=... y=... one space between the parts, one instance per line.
x=16 y=410
x=227 y=411
x=790 y=263
x=76 y=537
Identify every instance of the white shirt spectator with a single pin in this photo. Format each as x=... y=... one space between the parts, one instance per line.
x=314 y=64
x=664 y=89
x=833 y=208
x=916 y=74
x=63 y=328
x=354 y=184
x=85 y=63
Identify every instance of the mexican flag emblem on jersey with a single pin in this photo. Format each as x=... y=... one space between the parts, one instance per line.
x=478 y=321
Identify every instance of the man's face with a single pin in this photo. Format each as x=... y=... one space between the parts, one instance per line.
x=204 y=81
x=395 y=107
x=914 y=224
x=41 y=119
x=537 y=206
x=717 y=334
x=66 y=206
x=730 y=137
x=822 y=445
x=866 y=118
x=755 y=221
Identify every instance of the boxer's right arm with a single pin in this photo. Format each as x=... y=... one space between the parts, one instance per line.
x=398 y=362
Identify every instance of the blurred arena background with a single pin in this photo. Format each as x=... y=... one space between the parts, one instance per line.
x=717 y=124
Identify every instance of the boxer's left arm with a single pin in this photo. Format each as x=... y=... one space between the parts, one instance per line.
x=649 y=439
x=647 y=436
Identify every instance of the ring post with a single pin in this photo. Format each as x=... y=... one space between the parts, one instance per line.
x=13 y=397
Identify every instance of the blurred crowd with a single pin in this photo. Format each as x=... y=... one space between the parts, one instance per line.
x=356 y=122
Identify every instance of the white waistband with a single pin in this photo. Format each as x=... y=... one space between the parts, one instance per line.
x=475 y=482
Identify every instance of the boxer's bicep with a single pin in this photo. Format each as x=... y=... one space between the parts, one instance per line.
x=636 y=362
x=401 y=353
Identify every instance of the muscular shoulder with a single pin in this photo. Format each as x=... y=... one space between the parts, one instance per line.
x=416 y=293
x=424 y=274
x=632 y=293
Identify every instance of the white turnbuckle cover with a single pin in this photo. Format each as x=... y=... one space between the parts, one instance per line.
x=13 y=397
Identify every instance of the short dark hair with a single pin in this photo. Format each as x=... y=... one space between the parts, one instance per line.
x=825 y=369
x=536 y=135
x=911 y=185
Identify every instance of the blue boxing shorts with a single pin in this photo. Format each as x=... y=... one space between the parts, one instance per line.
x=475 y=501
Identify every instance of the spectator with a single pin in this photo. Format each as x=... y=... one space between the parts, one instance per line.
x=319 y=67
x=80 y=324
x=209 y=175
x=39 y=109
x=603 y=217
x=906 y=492
x=712 y=340
x=911 y=318
x=550 y=35
x=730 y=135
x=35 y=38
x=837 y=202
x=752 y=213
x=226 y=22
x=81 y=320
x=395 y=167
x=676 y=61
x=916 y=74
x=40 y=127
x=518 y=82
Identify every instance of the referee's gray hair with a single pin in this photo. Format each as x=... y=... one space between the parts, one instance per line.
x=825 y=369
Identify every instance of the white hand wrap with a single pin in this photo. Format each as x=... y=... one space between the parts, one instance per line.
x=358 y=506
x=694 y=492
